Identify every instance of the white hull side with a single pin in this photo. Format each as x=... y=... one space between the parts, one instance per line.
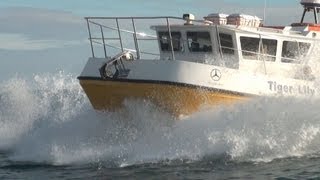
x=196 y=74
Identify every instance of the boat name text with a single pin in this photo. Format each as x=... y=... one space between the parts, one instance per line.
x=288 y=89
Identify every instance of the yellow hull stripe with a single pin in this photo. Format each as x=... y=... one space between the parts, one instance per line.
x=110 y=95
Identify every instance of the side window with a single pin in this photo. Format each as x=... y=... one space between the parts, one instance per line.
x=199 y=42
x=226 y=43
x=269 y=49
x=165 y=44
x=293 y=51
x=255 y=49
x=250 y=47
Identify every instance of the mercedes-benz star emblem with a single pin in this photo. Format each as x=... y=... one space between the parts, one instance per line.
x=216 y=74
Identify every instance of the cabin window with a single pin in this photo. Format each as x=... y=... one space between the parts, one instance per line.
x=258 y=49
x=226 y=43
x=293 y=51
x=199 y=42
x=165 y=44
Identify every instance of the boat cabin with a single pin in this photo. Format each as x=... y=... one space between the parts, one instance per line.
x=236 y=41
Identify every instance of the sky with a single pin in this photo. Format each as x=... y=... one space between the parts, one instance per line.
x=42 y=36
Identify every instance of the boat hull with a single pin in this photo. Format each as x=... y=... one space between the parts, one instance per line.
x=177 y=99
x=182 y=88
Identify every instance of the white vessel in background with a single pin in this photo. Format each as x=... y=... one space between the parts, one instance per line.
x=221 y=59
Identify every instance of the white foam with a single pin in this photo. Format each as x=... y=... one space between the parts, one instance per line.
x=50 y=120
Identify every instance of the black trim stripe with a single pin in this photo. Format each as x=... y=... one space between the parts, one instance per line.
x=139 y=81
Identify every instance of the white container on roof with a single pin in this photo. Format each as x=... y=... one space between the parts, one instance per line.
x=315 y=3
x=217 y=18
x=244 y=20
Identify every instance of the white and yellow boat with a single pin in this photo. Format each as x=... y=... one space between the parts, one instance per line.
x=222 y=59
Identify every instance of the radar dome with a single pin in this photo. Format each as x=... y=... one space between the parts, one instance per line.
x=312 y=3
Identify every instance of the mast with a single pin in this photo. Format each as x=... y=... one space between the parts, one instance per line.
x=311 y=6
x=264 y=12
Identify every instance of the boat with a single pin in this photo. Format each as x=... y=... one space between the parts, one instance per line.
x=218 y=60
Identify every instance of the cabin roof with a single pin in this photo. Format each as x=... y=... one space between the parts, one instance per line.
x=292 y=31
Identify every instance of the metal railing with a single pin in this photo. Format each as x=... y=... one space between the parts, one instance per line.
x=141 y=36
x=137 y=36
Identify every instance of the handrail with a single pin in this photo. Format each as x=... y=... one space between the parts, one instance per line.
x=122 y=30
x=140 y=17
x=135 y=39
x=135 y=33
x=126 y=49
x=89 y=31
x=134 y=17
x=143 y=36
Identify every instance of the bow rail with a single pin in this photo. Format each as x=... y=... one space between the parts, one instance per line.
x=103 y=24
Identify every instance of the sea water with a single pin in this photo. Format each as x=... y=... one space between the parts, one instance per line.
x=48 y=129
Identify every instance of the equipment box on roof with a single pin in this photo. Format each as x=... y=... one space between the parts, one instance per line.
x=244 y=20
x=217 y=18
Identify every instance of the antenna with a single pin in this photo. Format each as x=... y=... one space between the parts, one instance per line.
x=264 y=12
